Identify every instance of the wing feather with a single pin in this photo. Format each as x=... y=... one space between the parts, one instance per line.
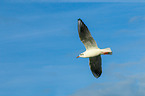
x=85 y=35
x=96 y=66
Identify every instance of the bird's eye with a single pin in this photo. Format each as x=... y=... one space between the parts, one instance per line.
x=81 y=54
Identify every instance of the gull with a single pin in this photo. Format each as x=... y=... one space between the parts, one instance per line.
x=92 y=51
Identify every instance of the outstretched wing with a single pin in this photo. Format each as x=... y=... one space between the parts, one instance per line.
x=85 y=35
x=95 y=65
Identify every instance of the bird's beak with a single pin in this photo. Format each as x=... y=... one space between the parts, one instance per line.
x=78 y=56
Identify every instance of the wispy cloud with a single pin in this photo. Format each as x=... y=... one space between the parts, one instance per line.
x=123 y=81
x=128 y=87
x=137 y=19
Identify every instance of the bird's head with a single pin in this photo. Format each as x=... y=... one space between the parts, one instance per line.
x=81 y=55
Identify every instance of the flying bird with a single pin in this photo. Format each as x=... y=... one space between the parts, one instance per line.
x=93 y=52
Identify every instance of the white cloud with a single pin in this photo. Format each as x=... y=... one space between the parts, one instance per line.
x=126 y=79
x=129 y=86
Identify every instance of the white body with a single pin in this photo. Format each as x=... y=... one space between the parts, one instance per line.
x=91 y=53
x=95 y=52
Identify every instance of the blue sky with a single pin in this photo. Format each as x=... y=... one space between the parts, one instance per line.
x=39 y=43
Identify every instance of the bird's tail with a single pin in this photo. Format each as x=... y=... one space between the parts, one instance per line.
x=107 y=51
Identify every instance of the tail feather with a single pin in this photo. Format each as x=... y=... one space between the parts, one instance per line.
x=107 y=51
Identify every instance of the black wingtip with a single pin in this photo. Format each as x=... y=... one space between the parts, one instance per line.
x=97 y=74
x=79 y=19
